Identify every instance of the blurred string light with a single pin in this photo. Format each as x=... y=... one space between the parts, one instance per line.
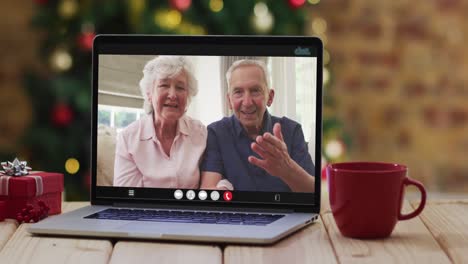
x=167 y=19
x=319 y=26
x=334 y=149
x=260 y=9
x=324 y=39
x=60 y=60
x=216 y=5
x=72 y=165
x=326 y=57
x=262 y=19
x=326 y=76
x=68 y=8
x=313 y=2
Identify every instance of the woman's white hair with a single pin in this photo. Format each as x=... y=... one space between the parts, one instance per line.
x=248 y=62
x=166 y=67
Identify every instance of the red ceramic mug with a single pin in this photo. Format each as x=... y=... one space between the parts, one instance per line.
x=366 y=197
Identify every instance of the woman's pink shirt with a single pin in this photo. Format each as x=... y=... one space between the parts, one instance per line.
x=140 y=160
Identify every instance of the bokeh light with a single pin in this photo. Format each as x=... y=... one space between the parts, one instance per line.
x=319 y=25
x=60 y=60
x=72 y=165
x=168 y=19
x=216 y=5
x=334 y=149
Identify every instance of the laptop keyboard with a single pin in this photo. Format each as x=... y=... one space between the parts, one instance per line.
x=186 y=216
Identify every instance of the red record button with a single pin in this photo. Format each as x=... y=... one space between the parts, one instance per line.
x=227 y=196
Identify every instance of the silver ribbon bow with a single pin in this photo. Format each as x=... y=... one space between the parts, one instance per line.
x=16 y=168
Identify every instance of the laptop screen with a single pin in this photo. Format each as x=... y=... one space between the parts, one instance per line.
x=207 y=120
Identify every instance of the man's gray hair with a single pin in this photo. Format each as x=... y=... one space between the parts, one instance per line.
x=249 y=62
x=166 y=67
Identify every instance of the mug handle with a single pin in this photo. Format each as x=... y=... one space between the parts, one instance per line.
x=418 y=210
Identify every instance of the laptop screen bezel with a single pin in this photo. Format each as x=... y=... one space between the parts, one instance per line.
x=144 y=44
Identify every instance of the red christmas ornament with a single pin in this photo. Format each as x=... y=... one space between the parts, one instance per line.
x=295 y=4
x=85 y=40
x=62 y=115
x=180 y=5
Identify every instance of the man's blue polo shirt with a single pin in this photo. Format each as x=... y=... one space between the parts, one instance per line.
x=228 y=149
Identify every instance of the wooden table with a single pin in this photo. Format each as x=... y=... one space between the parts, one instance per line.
x=439 y=235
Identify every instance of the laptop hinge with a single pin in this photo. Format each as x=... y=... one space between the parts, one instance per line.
x=198 y=208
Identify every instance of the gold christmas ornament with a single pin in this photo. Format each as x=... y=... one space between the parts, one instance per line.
x=168 y=19
x=216 y=5
x=72 y=165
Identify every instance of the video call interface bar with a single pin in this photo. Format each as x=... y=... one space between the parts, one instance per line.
x=204 y=196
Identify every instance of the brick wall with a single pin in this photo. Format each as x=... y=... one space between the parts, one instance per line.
x=17 y=45
x=400 y=79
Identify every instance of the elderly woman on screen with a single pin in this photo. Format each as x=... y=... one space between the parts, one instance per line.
x=162 y=149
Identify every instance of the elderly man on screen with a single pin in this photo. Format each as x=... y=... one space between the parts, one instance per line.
x=253 y=150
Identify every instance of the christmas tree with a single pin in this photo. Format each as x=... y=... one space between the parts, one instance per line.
x=59 y=136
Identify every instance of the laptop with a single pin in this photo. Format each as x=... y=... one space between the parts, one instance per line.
x=246 y=206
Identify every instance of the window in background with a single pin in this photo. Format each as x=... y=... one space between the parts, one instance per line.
x=118 y=117
x=306 y=91
x=104 y=117
x=207 y=106
x=294 y=82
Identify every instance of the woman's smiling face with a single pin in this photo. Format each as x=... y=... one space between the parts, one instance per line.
x=169 y=98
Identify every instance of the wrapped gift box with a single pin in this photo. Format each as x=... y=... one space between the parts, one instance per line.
x=2 y=210
x=17 y=192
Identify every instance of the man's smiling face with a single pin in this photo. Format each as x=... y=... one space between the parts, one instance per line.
x=248 y=96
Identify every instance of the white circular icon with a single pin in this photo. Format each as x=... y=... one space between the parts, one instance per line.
x=202 y=195
x=214 y=195
x=190 y=195
x=178 y=194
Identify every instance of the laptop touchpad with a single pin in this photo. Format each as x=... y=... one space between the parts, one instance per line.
x=154 y=228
